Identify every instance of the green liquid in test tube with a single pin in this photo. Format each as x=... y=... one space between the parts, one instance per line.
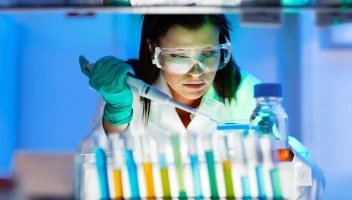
x=178 y=162
x=275 y=181
x=228 y=179
x=209 y=155
x=226 y=165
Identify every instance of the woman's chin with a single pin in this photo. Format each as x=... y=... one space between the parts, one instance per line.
x=193 y=95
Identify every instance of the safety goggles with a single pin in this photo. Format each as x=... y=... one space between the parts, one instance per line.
x=181 y=61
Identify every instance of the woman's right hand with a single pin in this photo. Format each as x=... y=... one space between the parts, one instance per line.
x=108 y=78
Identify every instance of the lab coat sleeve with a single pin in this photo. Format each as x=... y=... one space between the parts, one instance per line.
x=310 y=180
x=97 y=125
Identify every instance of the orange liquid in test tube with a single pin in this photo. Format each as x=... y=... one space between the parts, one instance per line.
x=149 y=181
x=118 y=184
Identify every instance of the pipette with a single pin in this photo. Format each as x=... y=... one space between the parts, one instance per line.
x=145 y=90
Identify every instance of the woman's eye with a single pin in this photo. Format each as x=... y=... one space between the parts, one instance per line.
x=209 y=54
x=178 y=56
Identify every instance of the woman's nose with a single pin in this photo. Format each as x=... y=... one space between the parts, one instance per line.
x=196 y=71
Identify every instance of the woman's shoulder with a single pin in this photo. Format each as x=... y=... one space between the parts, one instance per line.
x=243 y=105
x=248 y=80
x=246 y=87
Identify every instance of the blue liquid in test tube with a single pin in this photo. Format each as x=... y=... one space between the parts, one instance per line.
x=132 y=173
x=246 y=187
x=196 y=176
x=162 y=161
x=260 y=180
x=102 y=172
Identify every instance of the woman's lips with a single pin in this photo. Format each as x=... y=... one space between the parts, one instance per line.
x=194 y=85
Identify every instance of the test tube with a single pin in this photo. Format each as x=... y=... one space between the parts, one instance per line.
x=267 y=148
x=131 y=166
x=252 y=160
x=192 y=151
x=164 y=173
x=117 y=148
x=101 y=165
x=179 y=165
x=276 y=185
x=226 y=165
x=231 y=144
x=162 y=144
x=148 y=167
x=209 y=156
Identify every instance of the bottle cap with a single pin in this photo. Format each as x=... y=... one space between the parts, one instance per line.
x=267 y=90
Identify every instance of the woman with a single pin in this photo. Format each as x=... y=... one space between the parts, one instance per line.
x=189 y=58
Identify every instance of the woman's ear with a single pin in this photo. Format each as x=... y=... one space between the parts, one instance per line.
x=150 y=46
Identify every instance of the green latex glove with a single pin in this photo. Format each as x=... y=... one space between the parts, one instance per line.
x=108 y=78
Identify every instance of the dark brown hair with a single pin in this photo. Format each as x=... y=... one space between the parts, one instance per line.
x=154 y=27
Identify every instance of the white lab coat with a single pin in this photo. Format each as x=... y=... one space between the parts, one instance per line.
x=310 y=182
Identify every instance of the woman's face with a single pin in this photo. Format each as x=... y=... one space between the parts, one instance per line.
x=195 y=83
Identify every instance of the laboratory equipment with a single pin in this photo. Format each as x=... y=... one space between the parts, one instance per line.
x=241 y=159
x=210 y=160
x=195 y=165
x=116 y=149
x=226 y=165
x=147 y=165
x=149 y=92
x=102 y=172
x=132 y=173
x=269 y=123
x=176 y=144
x=253 y=161
x=230 y=138
x=269 y=117
x=125 y=178
x=164 y=172
x=164 y=153
x=161 y=141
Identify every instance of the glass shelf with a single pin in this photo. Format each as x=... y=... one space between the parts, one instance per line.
x=175 y=9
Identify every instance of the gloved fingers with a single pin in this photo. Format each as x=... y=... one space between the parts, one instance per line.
x=101 y=65
x=108 y=75
x=82 y=62
x=124 y=68
x=115 y=78
x=101 y=72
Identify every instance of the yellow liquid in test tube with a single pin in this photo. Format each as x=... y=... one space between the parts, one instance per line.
x=118 y=184
x=149 y=181
x=165 y=182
